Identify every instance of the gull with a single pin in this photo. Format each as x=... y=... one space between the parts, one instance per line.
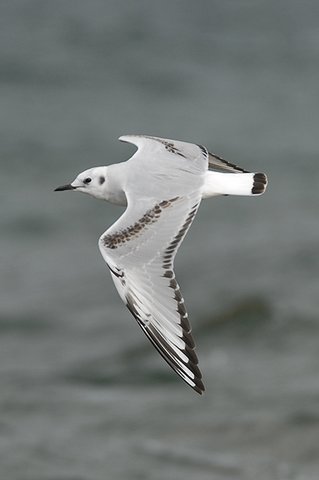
x=161 y=186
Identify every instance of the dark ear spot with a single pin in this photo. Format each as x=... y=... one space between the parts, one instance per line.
x=101 y=180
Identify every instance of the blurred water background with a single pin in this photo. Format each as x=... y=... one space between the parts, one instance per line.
x=83 y=395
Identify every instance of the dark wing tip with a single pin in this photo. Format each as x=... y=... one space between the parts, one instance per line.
x=188 y=370
x=217 y=163
x=260 y=184
x=199 y=387
x=193 y=366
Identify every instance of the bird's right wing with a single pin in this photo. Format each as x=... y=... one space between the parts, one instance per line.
x=218 y=164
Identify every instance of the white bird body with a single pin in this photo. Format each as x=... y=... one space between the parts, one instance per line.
x=162 y=185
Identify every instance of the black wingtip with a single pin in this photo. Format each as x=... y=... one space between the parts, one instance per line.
x=199 y=387
x=260 y=184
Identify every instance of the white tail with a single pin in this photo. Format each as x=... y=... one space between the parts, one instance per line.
x=234 y=184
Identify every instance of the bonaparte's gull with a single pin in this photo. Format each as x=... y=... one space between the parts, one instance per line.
x=161 y=186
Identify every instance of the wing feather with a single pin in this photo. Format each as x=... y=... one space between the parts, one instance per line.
x=219 y=164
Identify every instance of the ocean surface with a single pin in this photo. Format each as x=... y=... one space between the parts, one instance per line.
x=84 y=396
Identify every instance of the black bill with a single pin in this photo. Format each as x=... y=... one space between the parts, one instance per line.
x=64 y=187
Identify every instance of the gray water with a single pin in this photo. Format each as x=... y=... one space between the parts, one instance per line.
x=83 y=394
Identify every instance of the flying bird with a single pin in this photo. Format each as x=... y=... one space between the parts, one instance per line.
x=162 y=186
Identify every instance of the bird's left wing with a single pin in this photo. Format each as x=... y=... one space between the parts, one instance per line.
x=139 y=251
x=163 y=196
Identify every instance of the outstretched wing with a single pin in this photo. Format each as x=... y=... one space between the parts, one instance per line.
x=141 y=246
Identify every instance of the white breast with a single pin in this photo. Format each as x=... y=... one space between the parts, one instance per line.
x=115 y=184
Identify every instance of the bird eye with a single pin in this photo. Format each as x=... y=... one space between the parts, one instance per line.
x=87 y=180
